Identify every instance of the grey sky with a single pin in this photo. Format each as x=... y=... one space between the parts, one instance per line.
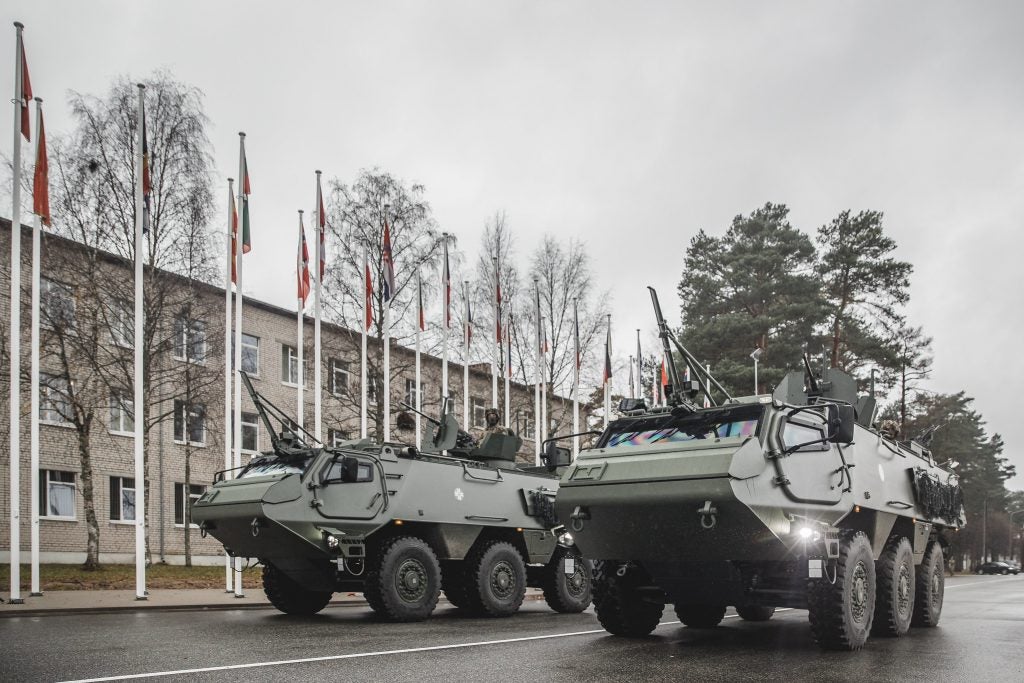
x=629 y=125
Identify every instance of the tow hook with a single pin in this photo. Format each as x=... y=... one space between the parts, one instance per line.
x=708 y=515
x=576 y=518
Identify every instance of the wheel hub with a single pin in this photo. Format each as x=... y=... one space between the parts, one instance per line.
x=903 y=589
x=859 y=592
x=575 y=583
x=936 y=585
x=411 y=580
x=502 y=579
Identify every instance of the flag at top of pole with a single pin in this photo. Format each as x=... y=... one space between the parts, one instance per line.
x=368 y=296
x=302 y=264
x=421 y=319
x=322 y=221
x=147 y=183
x=388 y=258
x=446 y=278
x=245 y=192
x=234 y=235
x=26 y=88
x=41 y=179
x=608 y=354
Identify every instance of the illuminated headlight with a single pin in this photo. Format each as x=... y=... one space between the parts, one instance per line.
x=332 y=542
x=805 y=533
x=566 y=539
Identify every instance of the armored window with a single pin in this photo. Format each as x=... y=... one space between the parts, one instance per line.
x=57 y=494
x=804 y=431
x=54 y=399
x=122 y=499
x=121 y=411
x=57 y=304
x=338 y=377
x=699 y=427
x=190 y=423
x=190 y=340
x=180 y=498
x=479 y=408
x=120 y=319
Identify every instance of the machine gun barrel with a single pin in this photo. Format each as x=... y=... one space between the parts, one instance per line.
x=431 y=420
x=265 y=409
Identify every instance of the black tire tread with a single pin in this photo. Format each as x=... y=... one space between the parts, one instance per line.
x=925 y=613
x=375 y=583
x=475 y=602
x=288 y=596
x=552 y=583
x=885 y=623
x=826 y=601
x=621 y=611
x=700 y=615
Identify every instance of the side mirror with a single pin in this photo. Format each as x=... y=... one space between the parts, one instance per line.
x=841 y=419
x=553 y=455
x=628 y=405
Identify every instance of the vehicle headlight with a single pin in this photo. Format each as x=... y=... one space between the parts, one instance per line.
x=566 y=539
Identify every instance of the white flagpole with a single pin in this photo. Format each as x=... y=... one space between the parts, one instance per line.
x=299 y=350
x=15 y=402
x=608 y=381
x=419 y=326
x=536 y=385
x=445 y=323
x=317 y=350
x=35 y=591
x=239 y=300
x=465 y=358
x=497 y=325
x=138 y=405
x=228 y=574
x=362 y=357
x=508 y=373
x=387 y=370
x=575 y=379
x=544 y=385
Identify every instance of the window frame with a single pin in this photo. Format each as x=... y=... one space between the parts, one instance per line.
x=47 y=289
x=188 y=412
x=185 y=331
x=254 y=423
x=121 y=321
x=46 y=393
x=336 y=367
x=120 y=488
x=255 y=374
x=411 y=391
x=120 y=397
x=179 y=501
x=292 y=353
x=44 y=494
x=477 y=404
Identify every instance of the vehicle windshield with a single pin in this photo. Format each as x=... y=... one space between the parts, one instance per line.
x=714 y=423
x=271 y=464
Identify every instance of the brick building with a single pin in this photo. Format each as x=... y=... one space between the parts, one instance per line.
x=185 y=406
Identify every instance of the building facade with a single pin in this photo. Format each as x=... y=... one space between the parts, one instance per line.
x=86 y=428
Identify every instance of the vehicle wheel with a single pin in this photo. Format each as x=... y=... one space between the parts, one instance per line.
x=403 y=582
x=930 y=587
x=453 y=583
x=894 y=593
x=567 y=593
x=755 y=612
x=620 y=607
x=700 y=616
x=495 y=579
x=979 y=572
x=841 y=611
x=288 y=596
x=1005 y=572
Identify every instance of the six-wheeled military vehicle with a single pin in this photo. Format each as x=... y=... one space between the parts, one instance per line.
x=790 y=499
x=399 y=523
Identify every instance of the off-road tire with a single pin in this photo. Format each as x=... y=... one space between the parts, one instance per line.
x=841 y=612
x=568 y=594
x=453 y=583
x=494 y=579
x=620 y=608
x=755 y=612
x=895 y=588
x=700 y=616
x=930 y=587
x=288 y=596
x=403 y=580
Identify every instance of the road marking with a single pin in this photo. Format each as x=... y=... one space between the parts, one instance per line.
x=358 y=655
x=982 y=581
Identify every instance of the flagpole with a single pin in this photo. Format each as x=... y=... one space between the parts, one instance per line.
x=35 y=591
x=544 y=384
x=228 y=263
x=239 y=302
x=138 y=405
x=497 y=336
x=362 y=357
x=419 y=328
x=576 y=380
x=536 y=385
x=446 y=278
x=639 y=368
x=317 y=350
x=299 y=350
x=15 y=402
x=608 y=378
x=465 y=358
x=508 y=371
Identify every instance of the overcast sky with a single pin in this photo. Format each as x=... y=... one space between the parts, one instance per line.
x=628 y=125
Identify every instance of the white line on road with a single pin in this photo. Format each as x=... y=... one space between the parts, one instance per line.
x=979 y=583
x=357 y=655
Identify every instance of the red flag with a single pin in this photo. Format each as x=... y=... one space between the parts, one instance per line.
x=302 y=270
x=664 y=373
x=41 y=180
x=26 y=91
x=368 y=300
x=388 y=258
x=497 y=299
x=322 y=219
x=446 y=278
x=234 y=239
x=419 y=296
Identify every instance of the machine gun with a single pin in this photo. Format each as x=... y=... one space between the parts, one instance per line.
x=288 y=441
x=447 y=435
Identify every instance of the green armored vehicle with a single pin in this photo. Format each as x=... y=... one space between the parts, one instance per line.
x=785 y=500
x=398 y=523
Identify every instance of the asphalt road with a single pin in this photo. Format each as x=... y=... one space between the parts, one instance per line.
x=980 y=638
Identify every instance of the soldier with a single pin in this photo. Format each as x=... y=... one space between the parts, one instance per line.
x=890 y=429
x=492 y=427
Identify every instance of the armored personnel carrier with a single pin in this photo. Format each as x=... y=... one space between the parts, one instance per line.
x=397 y=523
x=791 y=499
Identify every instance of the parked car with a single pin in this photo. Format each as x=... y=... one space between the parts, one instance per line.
x=997 y=568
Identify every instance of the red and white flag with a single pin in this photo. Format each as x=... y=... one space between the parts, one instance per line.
x=388 y=258
x=446 y=283
x=302 y=265
x=26 y=90
x=322 y=220
x=41 y=180
x=368 y=297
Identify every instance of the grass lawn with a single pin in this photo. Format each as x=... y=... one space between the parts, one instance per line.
x=59 y=577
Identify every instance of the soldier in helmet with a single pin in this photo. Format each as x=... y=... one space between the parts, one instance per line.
x=890 y=429
x=491 y=417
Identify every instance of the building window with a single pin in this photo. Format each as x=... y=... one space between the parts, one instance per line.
x=122 y=499
x=250 y=432
x=120 y=317
x=190 y=340
x=250 y=354
x=336 y=436
x=410 y=392
x=526 y=420
x=190 y=422
x=290 y=366
x=339 y=377
x=57 y=303
x=371 y=390
x=479 y=408
x=54 y=401
x=194 y=492
x=121 y=410
x=57 y=494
